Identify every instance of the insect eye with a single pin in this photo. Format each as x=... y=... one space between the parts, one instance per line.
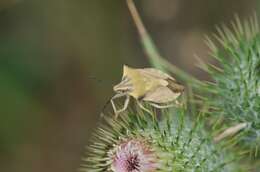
x=125 y=91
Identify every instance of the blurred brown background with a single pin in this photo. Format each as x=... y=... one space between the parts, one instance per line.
x=60 y=58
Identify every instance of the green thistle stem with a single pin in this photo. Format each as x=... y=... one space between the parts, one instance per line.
x=152 y=52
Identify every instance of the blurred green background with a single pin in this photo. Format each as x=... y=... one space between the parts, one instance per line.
x=60 y=58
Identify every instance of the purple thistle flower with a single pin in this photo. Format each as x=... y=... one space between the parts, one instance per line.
x=134 y=156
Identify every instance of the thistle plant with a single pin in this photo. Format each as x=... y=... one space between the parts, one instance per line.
x=136 y=142
x=177 y=139
x=235 y=91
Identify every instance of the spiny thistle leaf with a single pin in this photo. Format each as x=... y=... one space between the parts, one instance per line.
x=136 y=142
x=235 y=92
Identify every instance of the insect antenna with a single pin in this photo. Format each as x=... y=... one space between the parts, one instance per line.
x=108 y=101
x=95 y=78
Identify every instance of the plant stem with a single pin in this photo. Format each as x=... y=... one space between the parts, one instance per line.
x=152 y=52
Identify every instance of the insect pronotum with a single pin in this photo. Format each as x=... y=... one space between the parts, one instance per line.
x=149 y=85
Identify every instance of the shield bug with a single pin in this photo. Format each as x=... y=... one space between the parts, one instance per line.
x=150 y=85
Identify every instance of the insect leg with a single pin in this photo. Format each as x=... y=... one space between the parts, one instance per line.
x=161 y=106
x=142 y=107
x=125 y=104
x=178 y=103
